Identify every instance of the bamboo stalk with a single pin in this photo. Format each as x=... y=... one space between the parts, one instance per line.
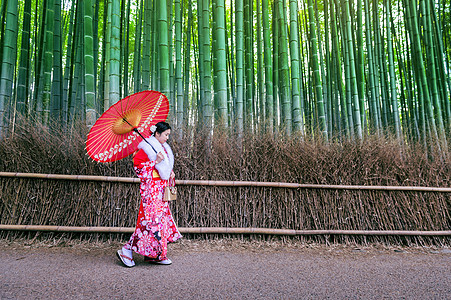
x=67 y=229
x=227 y=230
x=230 y=183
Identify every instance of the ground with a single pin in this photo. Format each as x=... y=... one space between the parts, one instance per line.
x=224 y=269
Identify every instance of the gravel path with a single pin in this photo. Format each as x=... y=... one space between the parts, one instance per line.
x=225 y=270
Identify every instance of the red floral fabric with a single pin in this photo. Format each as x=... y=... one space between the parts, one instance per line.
x=155 y=227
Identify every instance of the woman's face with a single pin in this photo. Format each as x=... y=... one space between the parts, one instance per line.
x=163 y=137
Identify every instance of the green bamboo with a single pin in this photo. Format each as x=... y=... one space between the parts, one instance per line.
x=408 y=112
x=89 y=63
x=57 y=76
x=200 y=61
x=214 y=46
x=231 y=70
x=413 y=120
x=115 y=52
x=321 y=64
x=249 y=108
x=316 y=73
x=380 y=70
x=220 y=58
x=76 y=104
x=106 y=67
x=393 y=61
x=308 y=100
x=353 y=82
x=275 y=77
x=123 y=33
x=268 y=66
x=68 y=69
x=347 y=72
x=392 y=81
x=343 y=124
x=36 y=100
x=8 y=63
x=2 y=25
x=374 y=115
x=171 y=95
x=163 y=47
x=298 y=125
x=441 y=59
x=261 y=103
x=137 y=58
x=69 y=66
x=23 y=77
x=286 y=120
x=100 y=53
x=97 y=47
x=329 y=69
x=127 y=50
x=379 y=92
x=146 y=47
x=239 y=17
x=198 y=92
x=415 y=101
x=48 y=60
x=420 y=69
x=207 y=105
x=178 y=61
x=154 y=57
x=432 y=71
x=187 y=63
x=360 y=66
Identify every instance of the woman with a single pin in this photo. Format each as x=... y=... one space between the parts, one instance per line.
x=155 y=228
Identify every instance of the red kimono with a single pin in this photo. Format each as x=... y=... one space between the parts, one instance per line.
x=155 y=227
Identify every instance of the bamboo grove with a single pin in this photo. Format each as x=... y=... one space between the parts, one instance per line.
x=324 y=68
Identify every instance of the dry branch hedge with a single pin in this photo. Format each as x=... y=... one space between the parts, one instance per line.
x=259 y=157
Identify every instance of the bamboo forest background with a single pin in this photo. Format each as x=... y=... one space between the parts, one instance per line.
x=329 y=69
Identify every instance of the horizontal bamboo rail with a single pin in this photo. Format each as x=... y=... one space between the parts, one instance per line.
x=70 y=177
x=228 y=230
x=230 y=183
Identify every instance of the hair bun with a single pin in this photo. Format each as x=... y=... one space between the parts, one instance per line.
x=153 y=128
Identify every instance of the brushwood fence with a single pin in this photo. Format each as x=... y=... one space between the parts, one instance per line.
x=100 y=201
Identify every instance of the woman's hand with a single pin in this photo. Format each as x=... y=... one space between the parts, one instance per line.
x=160 y=157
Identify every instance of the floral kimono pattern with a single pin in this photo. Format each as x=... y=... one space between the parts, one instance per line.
x=155 y=227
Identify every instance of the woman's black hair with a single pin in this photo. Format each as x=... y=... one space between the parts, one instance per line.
x=161 y=127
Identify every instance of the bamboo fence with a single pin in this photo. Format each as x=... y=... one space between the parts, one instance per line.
x=230 y=183
x=261 y=183
x=245 y=229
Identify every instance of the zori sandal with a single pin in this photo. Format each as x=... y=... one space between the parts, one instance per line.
x=166 y=261
x=127 y=261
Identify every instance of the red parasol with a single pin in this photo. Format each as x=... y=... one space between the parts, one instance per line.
x=118 y=131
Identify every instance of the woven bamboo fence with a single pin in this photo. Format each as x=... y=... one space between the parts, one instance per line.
x=259 y=182
x=119 y=200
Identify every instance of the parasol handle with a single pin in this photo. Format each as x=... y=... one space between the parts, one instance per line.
x=136 y=130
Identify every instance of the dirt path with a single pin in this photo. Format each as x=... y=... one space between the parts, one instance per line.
x=225 y=270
